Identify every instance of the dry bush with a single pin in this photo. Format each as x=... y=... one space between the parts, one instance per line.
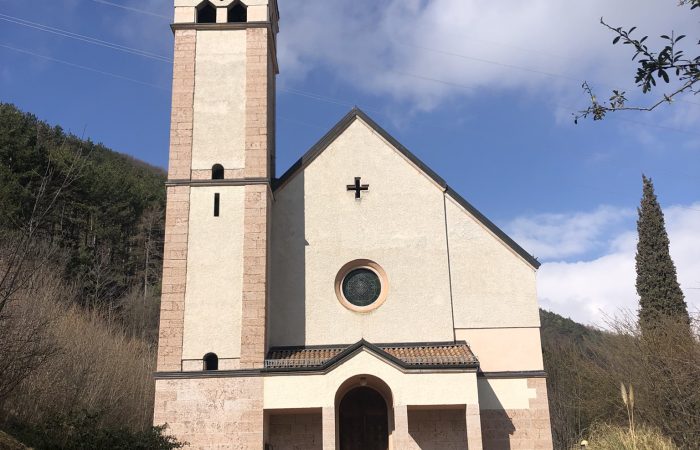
x=97 y=367
x=140 y=314
x=607 y=437
x=663 y=367
x=26 y=341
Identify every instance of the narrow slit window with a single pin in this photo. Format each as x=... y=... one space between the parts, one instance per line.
x=217 y=201
x=211 y=361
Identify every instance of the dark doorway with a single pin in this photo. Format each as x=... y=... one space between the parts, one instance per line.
x=363 y=419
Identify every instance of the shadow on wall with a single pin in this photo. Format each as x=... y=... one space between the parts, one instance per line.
x=438 y=429
x=288 y=312
x=496 y=426
x=302 y=430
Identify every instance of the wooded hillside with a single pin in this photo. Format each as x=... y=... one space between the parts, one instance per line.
x=104 y=220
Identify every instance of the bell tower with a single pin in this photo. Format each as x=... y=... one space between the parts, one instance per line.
x=222 y=160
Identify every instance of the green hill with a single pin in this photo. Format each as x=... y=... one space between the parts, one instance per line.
x=98 y=220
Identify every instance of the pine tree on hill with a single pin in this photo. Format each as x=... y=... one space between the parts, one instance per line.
x=660 y=295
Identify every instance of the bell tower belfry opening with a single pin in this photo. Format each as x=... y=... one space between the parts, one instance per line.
x=222 y=153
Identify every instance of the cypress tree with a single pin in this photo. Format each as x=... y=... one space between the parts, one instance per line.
x=660 y=295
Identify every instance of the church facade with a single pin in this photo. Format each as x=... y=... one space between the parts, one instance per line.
x=355 y=302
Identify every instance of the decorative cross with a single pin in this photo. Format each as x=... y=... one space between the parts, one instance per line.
x=358 y=188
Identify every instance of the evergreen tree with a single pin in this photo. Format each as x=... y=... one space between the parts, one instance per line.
x=660 y=295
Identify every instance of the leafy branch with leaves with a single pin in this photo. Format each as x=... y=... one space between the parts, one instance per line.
x=670 y=64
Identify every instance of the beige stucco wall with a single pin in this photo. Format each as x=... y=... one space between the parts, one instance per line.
x=492 y=286
x=318 y=226
x=219 y=99
x=214 y=274
x=415 y=389
x=505 y=349
x=505 y=393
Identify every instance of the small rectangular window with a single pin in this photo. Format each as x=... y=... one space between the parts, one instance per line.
x=216 y=205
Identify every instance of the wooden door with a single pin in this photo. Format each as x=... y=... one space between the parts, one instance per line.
x=363 y=419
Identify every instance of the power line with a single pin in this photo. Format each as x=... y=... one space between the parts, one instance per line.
x=314 y=96
x=487 y=61
x=78 y=66
x=513 y=66
x=83 y=38
x=444 y=52
x=322 y=98
x=129 y=8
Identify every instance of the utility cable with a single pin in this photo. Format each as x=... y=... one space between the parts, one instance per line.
x=78 y=66
x=84 y=38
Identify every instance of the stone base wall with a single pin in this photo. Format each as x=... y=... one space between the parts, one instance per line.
x=295 y=431
x=437 y=429
x=212 y=413
x=519 y=429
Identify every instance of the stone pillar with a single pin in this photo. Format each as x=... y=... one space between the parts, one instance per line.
x=473 y=417
x=257 y=199
x=400 y=437
x=177 y=210
x=328 y=427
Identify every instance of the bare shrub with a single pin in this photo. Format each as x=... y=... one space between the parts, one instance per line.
x=663 y=366
x=98 y=368
x=608 y=437
x=26 y=341
x=139 y=315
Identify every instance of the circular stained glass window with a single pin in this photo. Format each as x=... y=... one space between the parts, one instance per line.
x=361 y=287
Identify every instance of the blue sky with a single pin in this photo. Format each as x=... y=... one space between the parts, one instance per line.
x=481 y=92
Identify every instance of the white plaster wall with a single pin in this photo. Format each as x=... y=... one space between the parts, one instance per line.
x=504 y=393
x=318 y=226
x=214 y=273
x=414 y=389
x=505 y=349
x=185 y=14
x=492 y=286
x=219 y=99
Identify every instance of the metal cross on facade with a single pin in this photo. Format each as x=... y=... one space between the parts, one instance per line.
x=358 y=188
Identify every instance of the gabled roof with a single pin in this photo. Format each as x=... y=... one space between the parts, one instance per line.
x=434 y=355
x=356 y=113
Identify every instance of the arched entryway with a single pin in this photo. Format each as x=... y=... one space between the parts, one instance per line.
x=363 y=420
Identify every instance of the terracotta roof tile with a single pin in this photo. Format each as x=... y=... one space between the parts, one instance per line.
x=411 y=355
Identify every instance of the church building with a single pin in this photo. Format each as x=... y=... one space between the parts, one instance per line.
x=355 y=302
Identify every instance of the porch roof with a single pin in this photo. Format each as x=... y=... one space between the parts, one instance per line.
x=432 y=355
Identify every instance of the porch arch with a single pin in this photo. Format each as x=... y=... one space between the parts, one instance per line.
x=364 y=414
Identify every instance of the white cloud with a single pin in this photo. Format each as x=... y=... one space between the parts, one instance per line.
x=588 y=290
x=556 y=236
x=381 y=46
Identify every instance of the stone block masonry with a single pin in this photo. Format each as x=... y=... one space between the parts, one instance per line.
x=255 y=275
x=182 y=115
x=296 y=431
x=437 y=429
x=212 y=413
x=172 y=306
x=520 y=429
x=257 y=104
